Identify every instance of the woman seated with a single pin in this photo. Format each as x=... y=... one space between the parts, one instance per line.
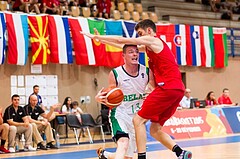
x=210 y=99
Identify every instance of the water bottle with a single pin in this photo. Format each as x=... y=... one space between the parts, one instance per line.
x=57 y=141
x=44 y=139
x=16 y=144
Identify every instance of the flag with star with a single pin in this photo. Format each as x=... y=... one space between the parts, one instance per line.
x=39 y=38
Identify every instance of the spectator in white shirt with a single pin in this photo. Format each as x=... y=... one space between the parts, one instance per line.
x=185 y=102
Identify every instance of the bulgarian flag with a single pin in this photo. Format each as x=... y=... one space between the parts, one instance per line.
x=207 y=47
x=39 y=37
x=220 y=47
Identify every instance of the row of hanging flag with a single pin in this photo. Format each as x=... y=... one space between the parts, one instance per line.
x=57 y=39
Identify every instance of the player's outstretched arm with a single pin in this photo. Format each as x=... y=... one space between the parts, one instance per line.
x=107 y=42
x=151 y=42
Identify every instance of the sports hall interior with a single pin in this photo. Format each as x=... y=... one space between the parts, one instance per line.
x=79 y=80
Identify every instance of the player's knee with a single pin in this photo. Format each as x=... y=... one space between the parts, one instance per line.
x=136 y=120
x=155 y=129
x=123 y=142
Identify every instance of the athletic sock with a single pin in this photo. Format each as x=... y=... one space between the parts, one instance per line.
x=3 y=142
x=177 y=150
x=105 y=154
x=142 y=155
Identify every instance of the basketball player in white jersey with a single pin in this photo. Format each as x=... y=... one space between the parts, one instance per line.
x=133 y=79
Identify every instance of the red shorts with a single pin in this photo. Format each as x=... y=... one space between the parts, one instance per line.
x=161 y=104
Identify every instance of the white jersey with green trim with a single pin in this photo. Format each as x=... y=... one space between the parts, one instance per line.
x=133 y=88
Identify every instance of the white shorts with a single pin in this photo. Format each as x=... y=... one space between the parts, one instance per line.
x=123 y=123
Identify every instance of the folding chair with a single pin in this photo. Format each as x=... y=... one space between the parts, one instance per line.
x=126 y=15
x=145 y=15
x=153 y=17
x=87 y=120
x=135 y=16
x=116 y=14
x=74 y=124
x=86 y=12
x=3 y=5
x=121 y=6
x=75 y=11
x=130 y=7
x=138 y=7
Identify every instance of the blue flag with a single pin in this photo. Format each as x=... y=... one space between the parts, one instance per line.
x=114 y=28
x=2 y=38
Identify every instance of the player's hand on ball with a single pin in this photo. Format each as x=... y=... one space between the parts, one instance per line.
x=101 y=96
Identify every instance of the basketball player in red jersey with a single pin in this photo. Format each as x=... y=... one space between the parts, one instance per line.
x=163 y=101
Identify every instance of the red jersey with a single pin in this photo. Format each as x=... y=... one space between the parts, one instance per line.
x=104 y=6
x=165 y=68
x=18 y=3
x=224 y=100
x=49 y=3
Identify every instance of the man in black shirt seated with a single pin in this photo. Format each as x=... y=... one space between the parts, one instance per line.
x=33 y=110
x=16 y=117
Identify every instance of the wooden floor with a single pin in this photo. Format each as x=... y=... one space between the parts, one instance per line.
x=226 y=147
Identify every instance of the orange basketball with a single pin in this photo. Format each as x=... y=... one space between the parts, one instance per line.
x=114 y=96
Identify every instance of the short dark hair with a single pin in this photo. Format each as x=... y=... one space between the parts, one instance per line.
x=74 y=103
x=225 y=89
x=15 y=95
x=144 y=24
x=35 y=86
x=126 y=46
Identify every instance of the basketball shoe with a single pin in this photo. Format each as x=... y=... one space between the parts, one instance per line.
x=185 y=155
x=100 y=154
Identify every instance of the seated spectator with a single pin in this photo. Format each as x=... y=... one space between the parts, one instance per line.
x=33 y=111
x=78 y=111
x=16 y=117
x=185 y=102
x=236 y=9
x=94 y=10
x=104 y=7
x=26 y=6
x=50 y=7
x=213 y=4
x=225 y=99
x=64 y=9
x=67 y=105
x=82 y=3
x=73 y=3
x=206 y=2
x=226 y=15
x=4 y=128
x=210 y=99
x=226 y=12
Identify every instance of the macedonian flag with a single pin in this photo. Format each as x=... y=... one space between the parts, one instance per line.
x=39 y=38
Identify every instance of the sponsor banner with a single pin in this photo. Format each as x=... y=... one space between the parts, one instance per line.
x=221 y=115
x=187 y=124
x=197 y=123
x=233 y=117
